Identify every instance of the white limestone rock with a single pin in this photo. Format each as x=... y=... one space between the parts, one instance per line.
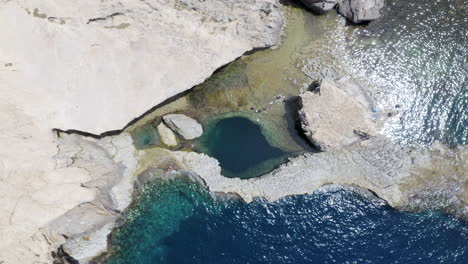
x=167 y=136
x=336 y=114
x=94 y=66
x=185 y=126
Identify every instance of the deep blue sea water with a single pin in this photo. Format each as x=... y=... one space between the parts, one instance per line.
x=179 y=222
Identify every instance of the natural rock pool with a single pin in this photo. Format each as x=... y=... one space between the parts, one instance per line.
x=240 y=147
x=412 y=60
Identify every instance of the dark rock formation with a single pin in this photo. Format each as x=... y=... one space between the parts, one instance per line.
x=320 y=6
x=356 y=11
x=359 y=11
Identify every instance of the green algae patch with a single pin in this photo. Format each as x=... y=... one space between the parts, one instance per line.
x=145 y=136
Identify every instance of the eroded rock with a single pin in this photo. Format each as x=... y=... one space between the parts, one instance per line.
x=356 y=11
x=185 y=126
x=110 y=163
x=405 y=177
x=320 y=6
x=336 y=114
x=359 y=11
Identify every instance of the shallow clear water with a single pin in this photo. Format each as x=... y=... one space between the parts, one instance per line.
x=178 y=222
x=240 y=147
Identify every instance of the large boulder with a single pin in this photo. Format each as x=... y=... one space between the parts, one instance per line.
x=167 y=136
x=185 y=126
x=320 y=6
x=336 y=114
x=361 y=10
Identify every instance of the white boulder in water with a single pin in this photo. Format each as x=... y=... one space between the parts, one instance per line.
x=185 y=126
x=167 y=136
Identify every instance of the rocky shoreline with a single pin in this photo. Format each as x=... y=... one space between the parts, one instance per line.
x=93 y=178
x=406 y=177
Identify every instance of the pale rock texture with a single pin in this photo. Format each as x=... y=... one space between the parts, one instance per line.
x=185 y=126
x=111 y=163
x=167 y=136
x=361 y=10
x=93 y=66
x=335 y=114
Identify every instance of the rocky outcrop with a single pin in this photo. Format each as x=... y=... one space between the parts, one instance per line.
x=93 y=66
x=405 y=177
x=111 y=163
x=185 y=126
x=320 y=6
x=359 y=11
x=167 y=136
x=336 y=114
x=356 y=11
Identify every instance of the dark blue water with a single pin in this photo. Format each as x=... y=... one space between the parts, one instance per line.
x=240 y=147
x=178 y=222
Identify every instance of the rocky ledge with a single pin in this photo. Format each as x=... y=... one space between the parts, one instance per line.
x=336 y=114
x=406 y=177
x=356 y=11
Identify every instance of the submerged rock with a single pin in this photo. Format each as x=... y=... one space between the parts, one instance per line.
x=167 y=136
x=185 y=126
x=320 y=6
x=336 y=114
x=361 y=10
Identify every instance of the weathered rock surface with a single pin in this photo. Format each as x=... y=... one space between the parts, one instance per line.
x=320 y=6
x=361 y=10
x=93 y=66
x=406 y=177
x=167 y=136
x=336 y=114
x=111 y=163
x=356 y=11
x=185 y=126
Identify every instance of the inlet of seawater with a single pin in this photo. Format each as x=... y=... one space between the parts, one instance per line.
x=414 y=61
